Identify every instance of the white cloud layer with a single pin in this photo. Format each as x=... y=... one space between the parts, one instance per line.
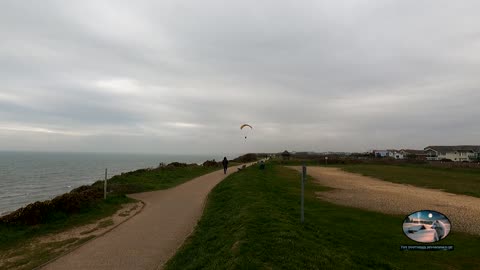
x=181 y=76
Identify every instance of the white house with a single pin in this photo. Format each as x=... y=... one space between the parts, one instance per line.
x=395 y=154
x=380 y=153
x=391 y=153
x=457 y=153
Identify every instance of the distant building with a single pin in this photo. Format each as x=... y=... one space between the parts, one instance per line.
x=457 y=153
x=286 y=155
x=380 y=153
x=414 y=154
x=395 y=154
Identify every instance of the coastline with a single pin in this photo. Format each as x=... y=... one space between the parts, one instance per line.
x=97 y=186
x=27 y=177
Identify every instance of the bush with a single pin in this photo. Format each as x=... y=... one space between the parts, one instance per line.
x=246 y=158
x=176 y=165
x=68 y=203
x=86 y=188
x=72 y=202
x=211 y=163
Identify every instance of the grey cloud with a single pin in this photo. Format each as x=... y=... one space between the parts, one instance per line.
x=182 y=75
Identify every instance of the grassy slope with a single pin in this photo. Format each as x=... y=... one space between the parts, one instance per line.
x=251 y=221
x=14 y=237
x=148 y=180
x=456 y=180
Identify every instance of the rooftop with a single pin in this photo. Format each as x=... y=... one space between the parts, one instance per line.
x=451 y=148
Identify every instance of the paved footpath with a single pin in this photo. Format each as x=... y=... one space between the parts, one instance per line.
x=149 y=239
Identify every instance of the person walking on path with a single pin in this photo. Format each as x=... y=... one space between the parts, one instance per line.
x=225 y=165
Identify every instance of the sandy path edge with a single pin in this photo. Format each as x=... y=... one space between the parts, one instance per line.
x=204 y=203
x=162 y=264
x=96 y=236
x=373 y=194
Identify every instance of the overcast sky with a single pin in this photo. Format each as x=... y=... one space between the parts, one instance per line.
x=182 y=76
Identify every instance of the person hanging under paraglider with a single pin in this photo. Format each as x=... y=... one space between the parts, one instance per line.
x=245 y=125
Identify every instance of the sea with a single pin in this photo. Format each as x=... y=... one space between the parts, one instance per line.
x=26 y=177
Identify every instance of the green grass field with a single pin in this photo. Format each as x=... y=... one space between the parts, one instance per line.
x=455 y=180
x=252 y=221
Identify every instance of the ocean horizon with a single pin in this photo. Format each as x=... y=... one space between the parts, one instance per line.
x=27 y=177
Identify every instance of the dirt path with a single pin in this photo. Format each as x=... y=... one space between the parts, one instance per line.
x=382 y=196
x=150 y=238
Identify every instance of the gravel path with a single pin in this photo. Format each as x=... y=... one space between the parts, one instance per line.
x=386 y=197
x=150 y=238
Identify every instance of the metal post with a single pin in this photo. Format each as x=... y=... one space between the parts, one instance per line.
x=105 y=186
x=304 y=173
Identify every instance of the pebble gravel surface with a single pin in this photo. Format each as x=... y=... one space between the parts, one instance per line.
x=373 y=194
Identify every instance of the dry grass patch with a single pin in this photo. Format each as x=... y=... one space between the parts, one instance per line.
x=40 y=250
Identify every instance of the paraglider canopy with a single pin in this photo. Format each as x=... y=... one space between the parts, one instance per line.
x=246 y=125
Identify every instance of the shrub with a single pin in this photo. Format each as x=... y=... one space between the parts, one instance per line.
x=211 y=163
x=246 y=158
x=176 y=164
x=68 y=203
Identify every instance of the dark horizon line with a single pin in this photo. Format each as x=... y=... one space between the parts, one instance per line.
x=107 y=152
